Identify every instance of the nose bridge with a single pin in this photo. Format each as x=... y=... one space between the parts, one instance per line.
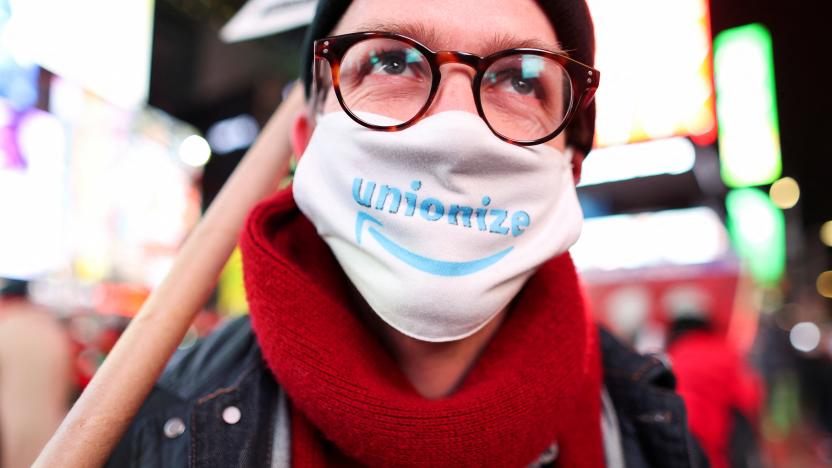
x=455 y=88
x=463 y=58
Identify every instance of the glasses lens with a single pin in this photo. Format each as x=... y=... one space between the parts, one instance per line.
x=384 y=81
x=525 y=97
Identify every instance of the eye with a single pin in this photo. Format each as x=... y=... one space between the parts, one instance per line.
x=393 y=63
x=399 y=61
x=522 y=86
x=511 y=80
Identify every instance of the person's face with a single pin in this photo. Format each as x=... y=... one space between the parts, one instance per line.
x=481 y=27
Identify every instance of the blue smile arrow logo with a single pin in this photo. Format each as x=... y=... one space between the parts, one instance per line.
x=426 y=264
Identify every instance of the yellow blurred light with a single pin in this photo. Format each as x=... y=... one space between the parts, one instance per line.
x=785 y=193
x=92 y=266
x=826 y=233
x=633 y=105
x=231 y=292
x=824 y=284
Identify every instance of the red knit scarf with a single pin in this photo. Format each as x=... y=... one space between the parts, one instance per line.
x=537 y=382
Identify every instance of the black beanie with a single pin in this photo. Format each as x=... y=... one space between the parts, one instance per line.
x=570 y=19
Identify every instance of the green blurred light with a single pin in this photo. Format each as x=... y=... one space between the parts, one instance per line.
x=758 y=233
x=746 y=105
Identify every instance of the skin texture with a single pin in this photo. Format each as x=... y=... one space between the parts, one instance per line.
x=476 y=26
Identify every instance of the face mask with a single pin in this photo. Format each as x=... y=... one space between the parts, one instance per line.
x=438 y=226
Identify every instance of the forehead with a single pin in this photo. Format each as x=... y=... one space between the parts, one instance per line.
x=477 y=26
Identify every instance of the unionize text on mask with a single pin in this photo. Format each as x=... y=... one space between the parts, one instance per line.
x=438 y=226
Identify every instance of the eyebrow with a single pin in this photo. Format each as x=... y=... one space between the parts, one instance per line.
x=428 y=36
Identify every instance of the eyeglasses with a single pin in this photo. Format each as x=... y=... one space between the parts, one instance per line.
x=387 y=82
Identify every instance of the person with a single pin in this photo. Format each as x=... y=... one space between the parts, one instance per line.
x=722 y=392
x=412 y=301
x=35 y=375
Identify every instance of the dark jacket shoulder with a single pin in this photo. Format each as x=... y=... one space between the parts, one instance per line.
x=217 y=400
x=196 y=391
x=652 y=417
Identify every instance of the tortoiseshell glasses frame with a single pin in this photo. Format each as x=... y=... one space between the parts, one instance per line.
x=583 y=78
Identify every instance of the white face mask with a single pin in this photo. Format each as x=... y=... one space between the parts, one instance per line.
x=439 y=225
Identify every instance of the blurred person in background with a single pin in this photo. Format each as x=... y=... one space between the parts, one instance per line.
x=35 y=375
x=722 y=392
x=411 y=298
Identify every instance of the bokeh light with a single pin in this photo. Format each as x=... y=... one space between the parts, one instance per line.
x=632 y=104
x=623 y=162
x=824 y=284
x=759 y=233
x=749 y=135
x=785 y=193
x=826 y=233
x=194 y=151
x=805 y=336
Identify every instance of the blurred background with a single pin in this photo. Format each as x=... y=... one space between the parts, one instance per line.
x=709 y=218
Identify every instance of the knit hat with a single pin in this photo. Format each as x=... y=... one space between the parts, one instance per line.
x=570 y=18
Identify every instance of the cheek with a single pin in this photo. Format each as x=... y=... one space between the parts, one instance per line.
x=331 y=104
x=559 y=142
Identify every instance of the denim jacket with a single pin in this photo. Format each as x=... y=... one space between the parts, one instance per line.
x=217 y=405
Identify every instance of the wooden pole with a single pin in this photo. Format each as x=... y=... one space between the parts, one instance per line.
x=99 y=418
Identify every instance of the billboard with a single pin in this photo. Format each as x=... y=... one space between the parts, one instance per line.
x=656 y=67
x=104 y=45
